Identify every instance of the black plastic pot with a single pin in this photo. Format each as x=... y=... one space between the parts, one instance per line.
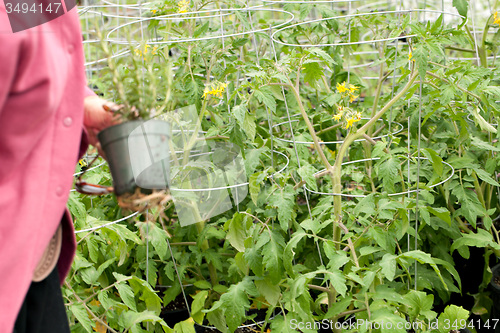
x=175 y=316
x=495 y=295
x=138 y=154
x=176 y=310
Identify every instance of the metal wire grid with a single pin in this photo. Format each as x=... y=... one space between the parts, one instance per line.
x=133 y=15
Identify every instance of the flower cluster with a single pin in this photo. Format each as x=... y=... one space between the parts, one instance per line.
x=347 y=91
x=159 y=10
x=183 y=6
x=350 y=116
x=496 y=18
x=142 y=52
x=345 y=113
x=214 y=89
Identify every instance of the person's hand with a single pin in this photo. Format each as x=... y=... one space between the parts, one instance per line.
x=96 y=118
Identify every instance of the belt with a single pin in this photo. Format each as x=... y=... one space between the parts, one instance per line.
x=50 y=257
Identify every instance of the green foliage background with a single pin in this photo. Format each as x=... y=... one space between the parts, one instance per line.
x=300 y=255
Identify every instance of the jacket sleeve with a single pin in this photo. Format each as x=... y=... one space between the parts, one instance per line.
x=89 y=92
x=84 y=143
x=10 y=56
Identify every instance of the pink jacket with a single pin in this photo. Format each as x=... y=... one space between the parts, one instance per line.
x=42 y=87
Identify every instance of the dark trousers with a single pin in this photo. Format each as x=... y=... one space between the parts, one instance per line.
x=43 y=309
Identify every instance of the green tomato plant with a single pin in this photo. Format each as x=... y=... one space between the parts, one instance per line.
x=330 y=238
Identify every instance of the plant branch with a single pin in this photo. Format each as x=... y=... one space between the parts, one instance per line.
x=318 y=175
x=349 y=312
x=454 y=48
x=458 y=87
x=319 y=288
x=351 y=137
x=88 y=309
x=310 y=127
x=329 y=128
x=183 y=244
x=350 y=244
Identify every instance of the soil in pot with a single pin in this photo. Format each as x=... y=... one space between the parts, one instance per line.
x=175 y=311
x=471 y=275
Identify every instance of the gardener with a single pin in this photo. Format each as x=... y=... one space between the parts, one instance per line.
x=44 y=106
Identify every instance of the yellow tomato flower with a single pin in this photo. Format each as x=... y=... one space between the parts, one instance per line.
x=214 y=89
x=351 y=121
x=338 y=116
x=341 y=88
x=183 y=6
x=352 y=97
x=496 y=19
x=142 y=52
x=352 y=88
x=340 y=113
x=205 y=92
